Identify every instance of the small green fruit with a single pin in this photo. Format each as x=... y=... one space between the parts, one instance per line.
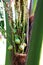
x=10 y=47
x=21 y=25
x=24 y=44
x=17 y=41
x=24 y=34
x=21 y=47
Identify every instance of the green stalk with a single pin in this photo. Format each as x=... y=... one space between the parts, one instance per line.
x=19 y=13
x=12 y=32
x=16 y=13
x=23 y=22
x=37 y=36
x=24 y=18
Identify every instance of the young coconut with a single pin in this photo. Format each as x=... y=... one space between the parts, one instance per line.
x=17 y=40
x=10 y=47
x=22 y=47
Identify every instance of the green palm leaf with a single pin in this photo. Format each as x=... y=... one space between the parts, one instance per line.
x=37 y=36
